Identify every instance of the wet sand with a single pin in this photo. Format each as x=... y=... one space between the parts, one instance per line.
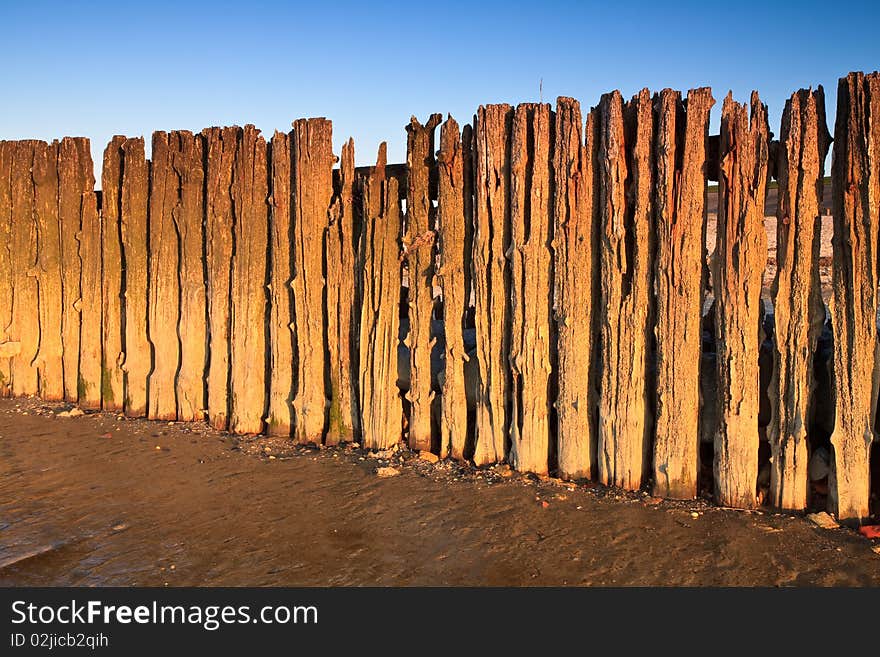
x=91 y=501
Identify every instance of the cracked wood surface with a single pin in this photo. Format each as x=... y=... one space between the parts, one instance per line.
x=419 y=254
x=680 y=214
x=279 y=421
x=625 y=160
x=491 y=277
x=250 y=240
x=855 y=173
x=342 y=298
x=575 y=216
x=221 y=147
x=797 y=296
x=188 y=212
x=312 y=154
x=164 y=285
x=455 y=230
x=75 y=181
x=737 y=272
x=49 y=359
x=133 y=230
x=379 y=256
x=531 y=265
x=112 y=339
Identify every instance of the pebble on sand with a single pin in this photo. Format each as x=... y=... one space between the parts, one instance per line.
x=73 y=412
x=387 y=472
x=823 y=520
x=428 y=456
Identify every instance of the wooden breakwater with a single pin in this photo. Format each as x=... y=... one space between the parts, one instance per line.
x=528 y=287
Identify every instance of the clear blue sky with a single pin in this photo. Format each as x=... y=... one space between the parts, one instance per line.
x=103 y=68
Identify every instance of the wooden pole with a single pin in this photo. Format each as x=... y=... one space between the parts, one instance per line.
x=280 y=334
x=531 y=264
x=7 y=347
x=737 y=274
x=164 y=285
x=855 y=172
x=112 y=332
x=248 y=332
x=455 y=228
x=74 y=174
x=491 y=276
x=340 y=245
x=797 y=294
x=188 y=217
x=134 y=233
x=575 y=286
x=419 y=253
x=49 y=358
x=312 y=154
x=680 y=213
x=625 y=156
x=91 y=332
x=379 y=253
x=221 y=148
x=24 y=328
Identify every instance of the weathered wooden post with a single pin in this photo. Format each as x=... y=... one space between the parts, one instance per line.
x=250 y=196
x=455 y=229
x=737 y=273
x=188 y=215
x=340 y=254
x=680 y=213
x=49 y=358
x=491 y=276
x=312 y=155
x=7 y=349
x=164 y=286
x=279 y=421
x=626 y=168
x=24 y=327
x=531 y=266
x=75 y=180
x=855 y=172
x=221 y=145
x=419 y=253
x=90 y=307
x=797 y=295
x=575 y=284
x=112 y=345
x=133 y=230
x=380 y=402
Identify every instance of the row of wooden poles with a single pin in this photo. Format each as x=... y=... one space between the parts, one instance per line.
x=251 y=284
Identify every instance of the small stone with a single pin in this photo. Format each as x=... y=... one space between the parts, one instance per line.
x=876 y=548
x=387 y=472
x=158 y=447
x=545 y=504
x=425 y=455
x=271 y=458
x=694 y=515
x=823 y=520
x=107 y=435
x=73 y=412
